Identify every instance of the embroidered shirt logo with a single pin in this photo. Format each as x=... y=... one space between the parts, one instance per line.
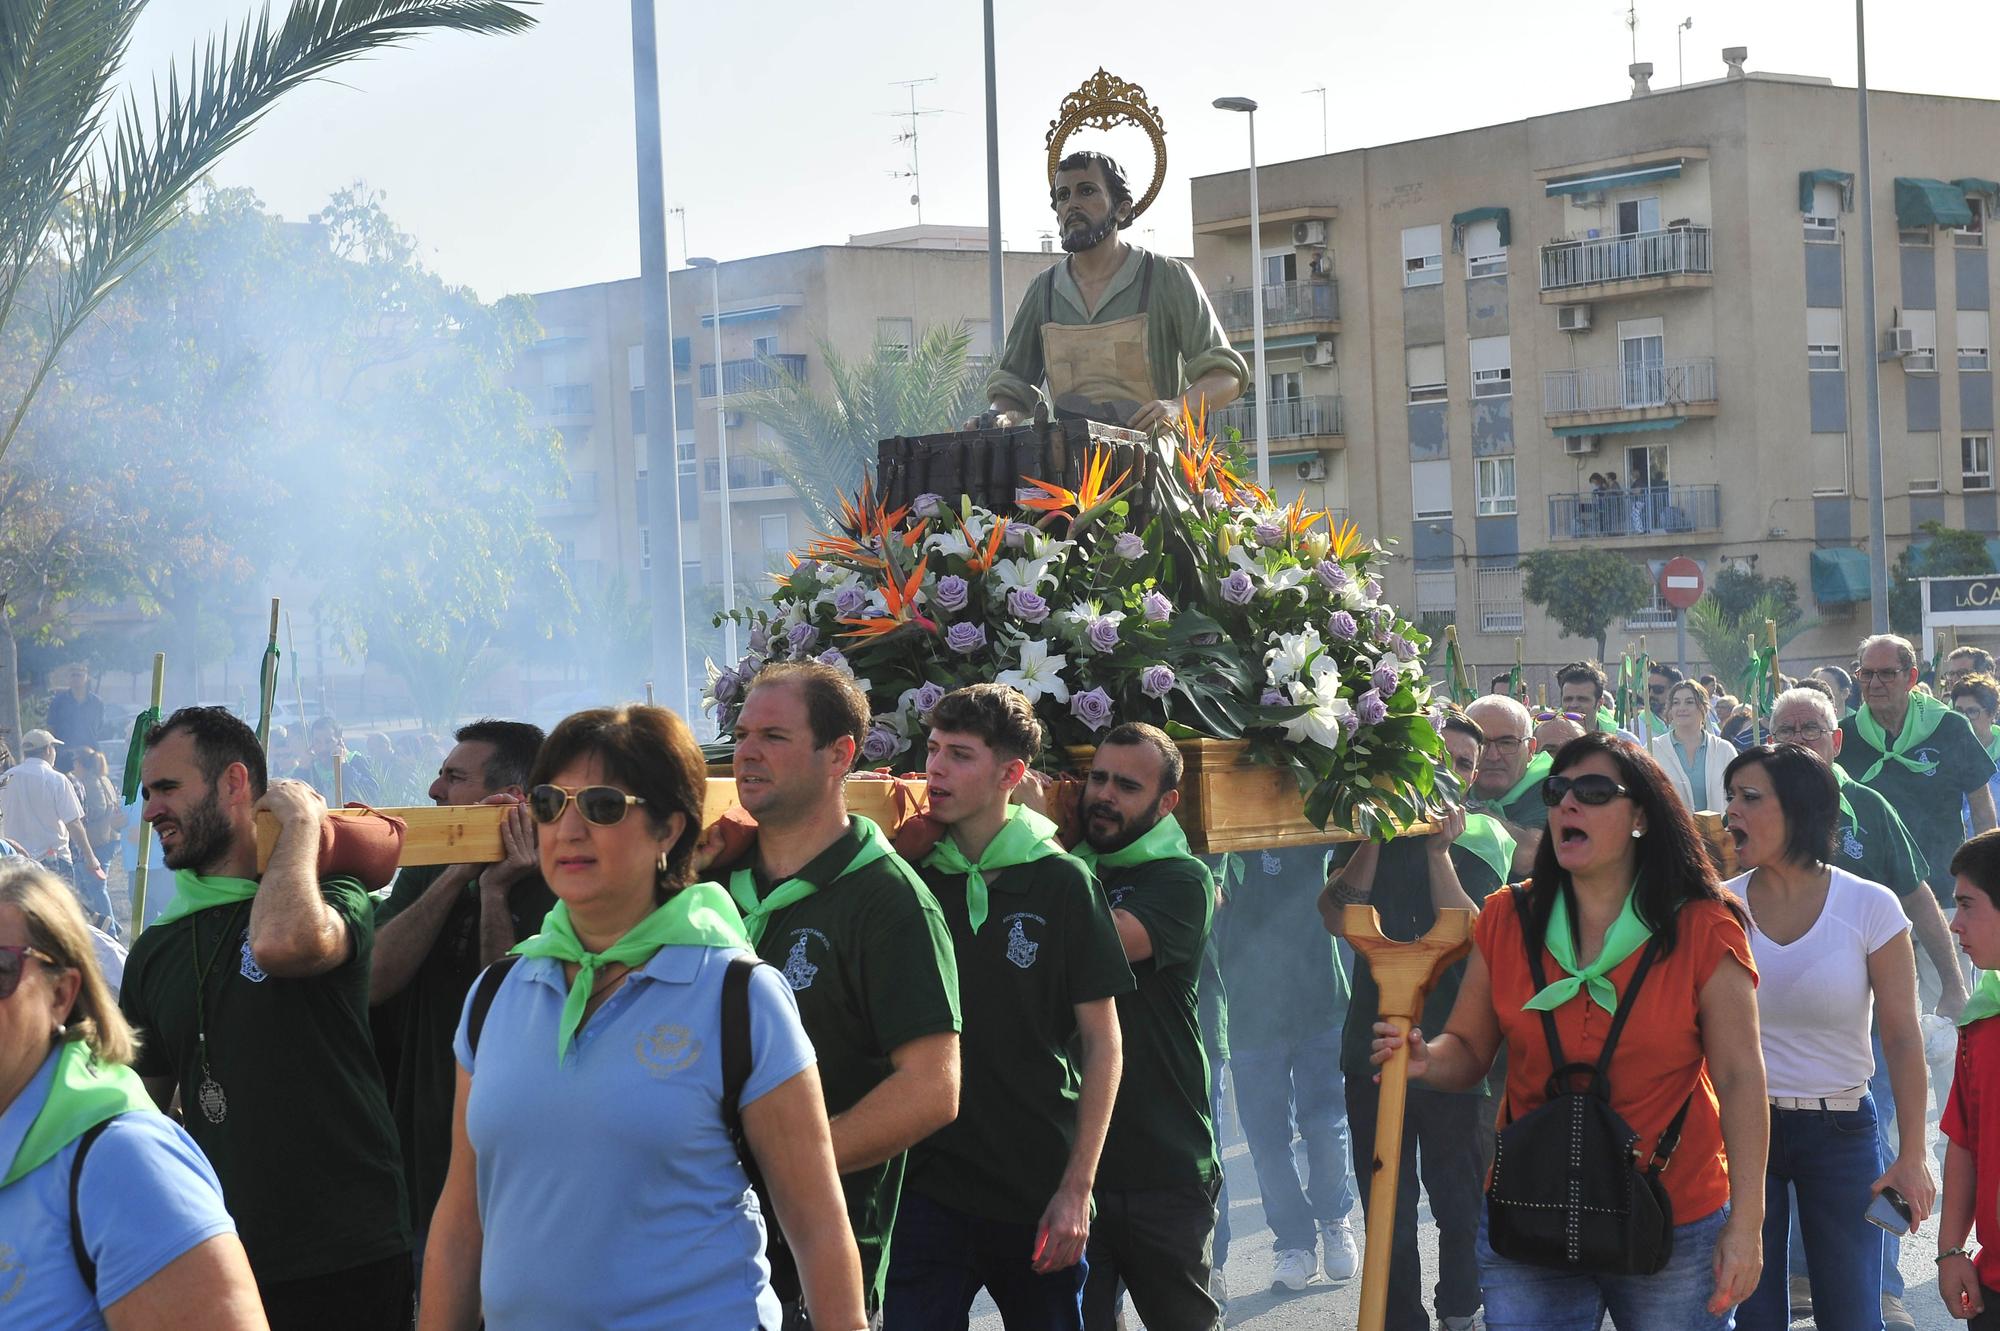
x=250 y=970
x=1272 y=864
x=1926 y=760
x=665 y=1050
x=9 y=1266
x=1850 y=842
x=799 y=970
x=1020 y=950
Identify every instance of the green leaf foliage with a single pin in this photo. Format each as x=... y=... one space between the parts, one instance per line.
x=1585 y=591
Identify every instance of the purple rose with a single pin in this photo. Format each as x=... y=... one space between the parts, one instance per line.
x=802 y=637
x=1350 y=723
x=1103 y=633
x=927 y=505
x=1213 y=500
x=1237 y=589
x=1374 y=590
x=1333 y=573
x=836 y=658
x=1404 y=649
x=965 y=639
x=726 y=687
x=1016 y=536
x=1272 y=698
x=1156 y=681
x=1340 y=624
x=1027 y=606
x=928 y=695
x=1384 y=679
x=1128 y=546
x=882 y=744
x=1155 y=607
x=760 y=639
x=1092 y=708
x=951 y=593
x=1270 y=533
x=1370 y=709
x=847 y=602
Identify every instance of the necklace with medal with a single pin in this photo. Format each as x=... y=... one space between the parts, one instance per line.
x=214 y=1104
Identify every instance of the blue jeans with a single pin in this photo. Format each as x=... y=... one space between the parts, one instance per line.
x=941 y=1257
x=1520 y=1297
x=1831 y=1157
x=1278 y=1086
x=1885 y=1136
x=91 y=892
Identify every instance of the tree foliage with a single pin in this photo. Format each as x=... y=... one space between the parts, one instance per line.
x=1585 y=590
x=1944 y=552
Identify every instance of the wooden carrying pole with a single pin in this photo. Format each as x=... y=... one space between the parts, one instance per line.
x=1405 y=974
x=138 y=893
x=267 y=684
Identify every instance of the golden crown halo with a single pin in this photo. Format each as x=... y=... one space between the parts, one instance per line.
x=1104 y=100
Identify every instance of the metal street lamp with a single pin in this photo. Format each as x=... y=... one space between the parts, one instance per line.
x=1249 y=108
x=722 y=457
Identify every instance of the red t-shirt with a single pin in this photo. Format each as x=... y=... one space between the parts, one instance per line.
x=1659 y=1056
x=1972 y=1115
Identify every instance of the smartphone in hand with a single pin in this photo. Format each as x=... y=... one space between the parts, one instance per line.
x=1890 y=1212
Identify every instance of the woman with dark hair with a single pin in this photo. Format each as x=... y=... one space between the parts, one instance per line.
x=1832 y=950
x=1621 y=868
x=594 y=1180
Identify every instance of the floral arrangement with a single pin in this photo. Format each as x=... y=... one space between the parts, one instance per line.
x=1223 y=616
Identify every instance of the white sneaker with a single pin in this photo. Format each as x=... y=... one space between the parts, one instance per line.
x=1475 y=1322
x=1337 y=1250
x=1295 y=1270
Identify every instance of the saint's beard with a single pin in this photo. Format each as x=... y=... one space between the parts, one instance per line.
x=1077 y=240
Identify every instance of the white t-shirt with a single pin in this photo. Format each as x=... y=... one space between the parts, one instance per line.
x=36 y=801
x=1814 y=1002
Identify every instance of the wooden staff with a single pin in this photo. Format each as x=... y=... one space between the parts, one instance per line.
x=138 y=893
x=339 y=801
x=1541 y=697
x=649 y=693
x=267 y=688
x=1756 y=724
x=1405 y=974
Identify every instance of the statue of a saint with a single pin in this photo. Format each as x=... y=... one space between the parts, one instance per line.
x=1120 y=335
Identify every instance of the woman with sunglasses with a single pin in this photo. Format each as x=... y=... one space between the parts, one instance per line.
x=147 y=1238
x=593 y=1181
x=1832 y=951
x=1619 y=867
x=1693 y=757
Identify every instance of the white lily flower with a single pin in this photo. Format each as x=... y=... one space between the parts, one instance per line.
x=1039 y=674
x=1026 y=574
x=1321 y=721
x=1283 y=663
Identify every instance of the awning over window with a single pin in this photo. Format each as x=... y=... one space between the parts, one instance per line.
x=1620 y=427
x=1921 y=202
x=1988 y=190
x=1825 y=176
x=1598 y=181
x=1460 y=221
x=1993 y=550
x=1839 y=576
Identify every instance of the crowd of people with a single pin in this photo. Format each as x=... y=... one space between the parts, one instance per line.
x=850 y=1079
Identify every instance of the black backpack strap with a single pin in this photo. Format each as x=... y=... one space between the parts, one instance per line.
x=483 y=991
x=1626 y=1003
x=1538 y=975
x=85 y=1267
x=737 y=1053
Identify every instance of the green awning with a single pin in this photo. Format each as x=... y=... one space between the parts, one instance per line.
x=1460 y=221
x=1921 y=202
x=1825 y=176
x=1598 y=181
x=1839 y=576
x=1988 y=190
x=1620 y=427
x=1993 y=551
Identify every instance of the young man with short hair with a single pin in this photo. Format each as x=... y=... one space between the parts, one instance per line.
x=1001 y=1197
x=1969 y=1282
x=1582 y=689
x=1157 y=1183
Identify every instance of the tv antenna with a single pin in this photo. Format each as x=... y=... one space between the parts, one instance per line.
x=1632 y=24
x=1321 y=90
x=912 y=119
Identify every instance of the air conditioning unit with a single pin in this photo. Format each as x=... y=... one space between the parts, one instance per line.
x=1320 y=353
x=1899 y=341
x=1309 y=233
x=1579 y=445
x=732 y=420
x=1572 y=318
x=1312 y=469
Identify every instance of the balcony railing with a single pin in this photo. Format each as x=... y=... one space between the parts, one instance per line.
x=1637 y=385
x=570 y=400
x=1664 y=508
x=1674 y=252
x=1287 y=418
x=744 y=474
x=744 y=376
x=1284 y=303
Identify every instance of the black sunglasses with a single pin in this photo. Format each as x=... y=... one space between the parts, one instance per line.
x=1590 y=788
x=603 y=805
x=14 y=960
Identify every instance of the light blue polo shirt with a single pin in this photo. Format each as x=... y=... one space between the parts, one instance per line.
x=610 y=1195
x=147 y=1196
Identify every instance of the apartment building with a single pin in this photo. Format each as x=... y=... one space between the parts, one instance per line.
x=1662 y=293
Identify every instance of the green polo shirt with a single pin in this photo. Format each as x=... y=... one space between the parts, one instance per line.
x=1928 y=804
x=1402 y=900
x=414 y=1028
x=307 y=1152
x=871 y=965
x=1048 y=945
x=1875 y=845
x=1161 y=1133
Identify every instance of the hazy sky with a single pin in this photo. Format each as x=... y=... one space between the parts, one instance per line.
x=511 y=158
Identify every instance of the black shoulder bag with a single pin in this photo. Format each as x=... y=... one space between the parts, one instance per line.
x=1569 y=1190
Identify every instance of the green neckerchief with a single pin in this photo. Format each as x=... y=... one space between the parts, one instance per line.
x=1919 y=724
x=1491 y=842
x=1164 y=840
x=192 y=892
x=700 y=915
x=1993 y=744
x=1627 y=934
x=83 y=1094
x=1985 y=1000
x=1025 y=837
x=757 y=914
x=1607 y=721
x=1840 y=782
x=1536 y=773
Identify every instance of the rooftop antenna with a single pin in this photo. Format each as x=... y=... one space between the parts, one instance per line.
x=682 y=213
x=1632 y=23
x=1323 y=141
x=1680 y=59
x=915 y=175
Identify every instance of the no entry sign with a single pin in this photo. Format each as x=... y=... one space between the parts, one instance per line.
x=1680 y=582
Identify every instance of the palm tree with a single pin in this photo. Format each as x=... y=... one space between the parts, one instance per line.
x=826 y=445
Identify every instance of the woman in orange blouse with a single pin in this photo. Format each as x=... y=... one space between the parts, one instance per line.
x=1621 y=862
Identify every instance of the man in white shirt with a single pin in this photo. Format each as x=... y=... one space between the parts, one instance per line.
x=41 y=812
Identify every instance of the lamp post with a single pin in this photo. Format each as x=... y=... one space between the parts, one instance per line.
x=722 y=457
x=1249 y=108
x=1878 y=526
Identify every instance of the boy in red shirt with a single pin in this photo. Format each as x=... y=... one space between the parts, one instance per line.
x=1969 y=1282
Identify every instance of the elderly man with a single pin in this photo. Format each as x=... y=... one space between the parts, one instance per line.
x=1121 y=335
x=1553 y=732
x=1509 y=777
x=43 y=815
